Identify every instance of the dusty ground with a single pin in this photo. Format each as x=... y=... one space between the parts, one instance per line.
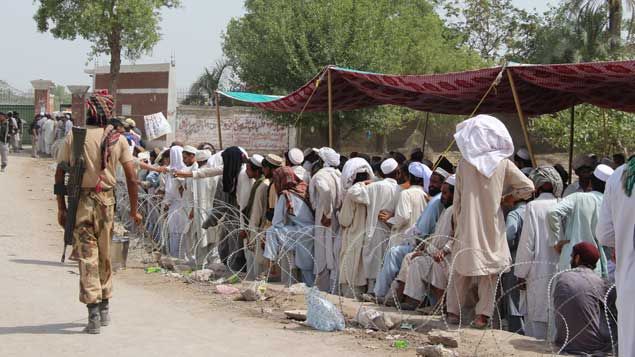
x=154 y=314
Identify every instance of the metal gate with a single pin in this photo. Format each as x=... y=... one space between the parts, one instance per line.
x=26 y=112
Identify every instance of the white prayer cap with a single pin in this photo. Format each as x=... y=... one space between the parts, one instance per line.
x=388 y=166
x=523 y=154
x=41 y=114
x=203 y=155
x=190 y=149
x=603 y=172
x=451 y=180
x=296 y=156
x=329 y=156
x=145 y=155
x=442 y=172
x=256 y=160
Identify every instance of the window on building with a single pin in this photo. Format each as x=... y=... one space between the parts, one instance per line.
x=126 y=109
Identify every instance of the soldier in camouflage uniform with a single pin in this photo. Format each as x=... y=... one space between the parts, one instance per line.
x=104 y=149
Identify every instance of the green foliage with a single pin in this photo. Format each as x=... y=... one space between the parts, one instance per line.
x=279 y=44
x=599 y=131
x=61 y=96
x=494 y=28
x=131 y=24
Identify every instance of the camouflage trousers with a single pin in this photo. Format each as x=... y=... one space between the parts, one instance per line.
x=92 y=235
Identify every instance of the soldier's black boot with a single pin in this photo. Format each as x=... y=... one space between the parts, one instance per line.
x=94 y=325
x=104 y=313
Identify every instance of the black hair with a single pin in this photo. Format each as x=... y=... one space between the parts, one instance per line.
x=525 y=163
x=268 y=165
x=399 y=157
x=255 y=167
x=564 y=175
x=414 y=180
x=619 y=159
x=361 y=176
x=597 y=184
x=417 y=156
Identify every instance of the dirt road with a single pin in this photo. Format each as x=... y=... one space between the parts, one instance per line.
x=40 y=314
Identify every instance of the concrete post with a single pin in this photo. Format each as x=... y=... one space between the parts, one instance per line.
x=78 y=106
x=42 y=95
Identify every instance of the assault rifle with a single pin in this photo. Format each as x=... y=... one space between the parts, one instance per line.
x=74 y=185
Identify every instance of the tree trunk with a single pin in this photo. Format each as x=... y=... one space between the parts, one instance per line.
x=115 y=66
x=615 y=23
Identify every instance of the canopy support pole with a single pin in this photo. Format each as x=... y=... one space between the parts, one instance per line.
x=220 y=136
x=521 y=116
x=571 y=130
x=425 y=134
x=330 y=90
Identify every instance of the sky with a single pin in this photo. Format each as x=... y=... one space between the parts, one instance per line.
x=191 y=33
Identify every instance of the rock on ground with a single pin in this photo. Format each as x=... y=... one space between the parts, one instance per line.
x=445 y=338
x=435 y=351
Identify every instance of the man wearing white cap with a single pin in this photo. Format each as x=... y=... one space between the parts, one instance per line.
x=427 y=273
x=203 y=195
x=294 y=159
x=379 y=196
x=484 y=176
x=325 y=192
x=411 y=203
x=616 y=229
x=255 y=212
x=580 y=211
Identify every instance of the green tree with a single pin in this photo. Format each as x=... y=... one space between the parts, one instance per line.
x=494 y=28
x=116 y=28
x=612 y=10
x=280 y=44
x=208 y=82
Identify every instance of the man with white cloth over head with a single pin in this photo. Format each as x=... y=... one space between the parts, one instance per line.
x=616 y=228
x=536 y=259
x=352 y=219
x=484 y=176
x=177 y=214
x=325 y=192
x=203 y=194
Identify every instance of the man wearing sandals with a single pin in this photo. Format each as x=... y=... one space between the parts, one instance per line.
x=484 y=177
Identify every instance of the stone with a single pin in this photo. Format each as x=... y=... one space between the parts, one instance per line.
x=445 y=338
x=299 y=315
x=166 y=263
x=435 y=351
x=202 y=275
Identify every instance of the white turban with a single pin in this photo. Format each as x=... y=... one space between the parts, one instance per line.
x=422 y=171
x=523 y=154
x=296 y=156
x=484 y=142
x=353 y=167
x=329 y=156
x=388 y=166
x=451 y=180
x=176 y=158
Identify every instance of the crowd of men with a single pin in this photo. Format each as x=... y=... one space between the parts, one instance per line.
x=491 y=236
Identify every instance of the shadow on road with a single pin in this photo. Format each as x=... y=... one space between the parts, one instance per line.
x=39 y=262
x=50 y=329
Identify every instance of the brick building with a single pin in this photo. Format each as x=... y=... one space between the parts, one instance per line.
x=143 y=89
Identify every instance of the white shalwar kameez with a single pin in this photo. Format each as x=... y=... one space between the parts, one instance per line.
x=49 y=135
x=537 y=262
x=377 y=196
x=326 y=198
x=177 y=219
x=410 y=204
x=616 y=228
